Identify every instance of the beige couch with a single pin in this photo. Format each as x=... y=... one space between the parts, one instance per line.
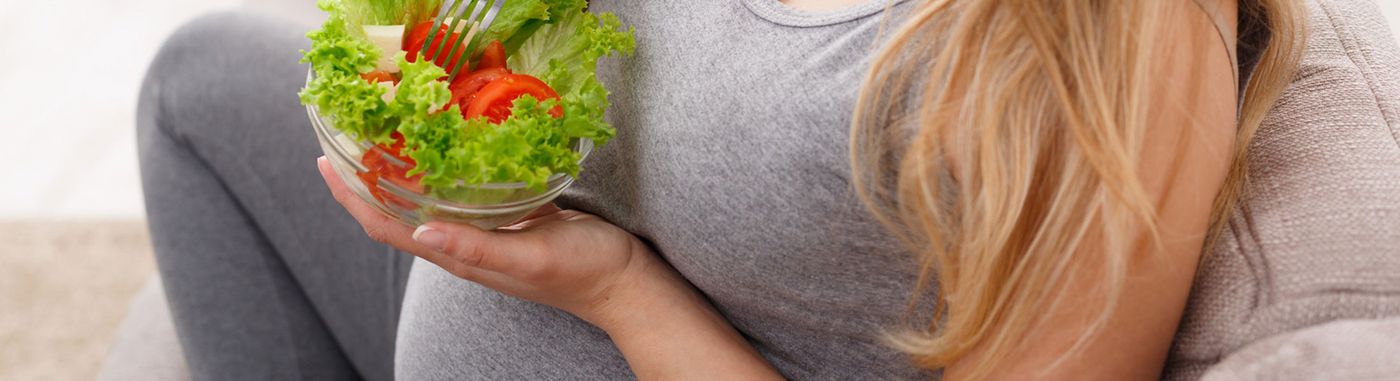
x=1306 y=282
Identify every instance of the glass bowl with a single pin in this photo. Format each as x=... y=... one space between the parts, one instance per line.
x=487 y=206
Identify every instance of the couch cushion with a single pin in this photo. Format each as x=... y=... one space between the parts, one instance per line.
x=1343 y=350
x=1317 y=235
x=146 y=347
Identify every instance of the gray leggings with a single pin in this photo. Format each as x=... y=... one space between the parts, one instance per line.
x=268 y=278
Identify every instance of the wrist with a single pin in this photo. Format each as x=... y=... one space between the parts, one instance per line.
x=668 y=330
x=649 y=290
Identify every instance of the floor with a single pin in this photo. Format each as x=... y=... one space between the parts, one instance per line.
x=68 y=259
x=64 y=287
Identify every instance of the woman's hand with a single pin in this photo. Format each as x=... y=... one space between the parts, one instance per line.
x=562 y=258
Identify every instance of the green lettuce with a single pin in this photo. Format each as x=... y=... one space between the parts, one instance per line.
x=517 y=18
x=419 y=94
x=565 y=54
x=522 y=24
x=528 y=147
x=337 y=57
x=390 y=12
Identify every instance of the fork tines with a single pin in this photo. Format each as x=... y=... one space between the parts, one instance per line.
x=480 y=14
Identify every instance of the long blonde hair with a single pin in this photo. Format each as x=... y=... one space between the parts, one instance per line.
x=1001 y=138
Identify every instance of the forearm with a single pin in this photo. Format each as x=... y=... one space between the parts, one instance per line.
x=668 y=331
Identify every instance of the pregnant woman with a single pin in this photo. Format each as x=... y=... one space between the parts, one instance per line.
x=809 y=189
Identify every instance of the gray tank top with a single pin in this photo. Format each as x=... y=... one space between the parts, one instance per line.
x=731 y=160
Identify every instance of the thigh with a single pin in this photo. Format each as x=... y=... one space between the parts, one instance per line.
x=453 y=329
x=237 y=189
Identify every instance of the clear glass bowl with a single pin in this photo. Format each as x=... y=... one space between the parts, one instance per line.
x=487 y=206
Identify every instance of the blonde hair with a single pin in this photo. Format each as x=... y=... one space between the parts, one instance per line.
x=1038 y=110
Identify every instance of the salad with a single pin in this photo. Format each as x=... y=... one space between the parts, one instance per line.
x=512 y=114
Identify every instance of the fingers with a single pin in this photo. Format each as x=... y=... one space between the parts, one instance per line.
x=463 y=250
x=378 y=226
x=475 y=248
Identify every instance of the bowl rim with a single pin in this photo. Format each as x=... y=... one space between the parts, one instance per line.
x=556 y=182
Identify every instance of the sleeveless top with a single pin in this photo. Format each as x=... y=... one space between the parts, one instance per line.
x=731 y=162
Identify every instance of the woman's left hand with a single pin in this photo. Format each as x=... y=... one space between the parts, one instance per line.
x=562 y=258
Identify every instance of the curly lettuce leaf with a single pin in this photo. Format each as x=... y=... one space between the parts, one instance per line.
x=529 y=147
x=583 y=110
x=338 y=56
x=565 y=54
x=420 y=93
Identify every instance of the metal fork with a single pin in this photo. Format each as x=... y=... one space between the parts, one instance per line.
x=482 y=14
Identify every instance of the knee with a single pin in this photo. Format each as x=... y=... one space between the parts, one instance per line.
x=178 y=70
x=193 y=42
x=205 y=61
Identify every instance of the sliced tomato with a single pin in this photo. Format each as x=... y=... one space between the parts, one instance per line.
x=397 y=147
x=388 y=163
x=493 y=57
x=465 y=87
x=378 y=76
x=413 y=44
x=495 y=99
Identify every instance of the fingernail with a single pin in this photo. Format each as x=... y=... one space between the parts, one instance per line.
x=431 y=238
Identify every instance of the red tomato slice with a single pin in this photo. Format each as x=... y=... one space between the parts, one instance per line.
x=494 y=100
x=398 y=145
x=464 y=88
x=381 y=164
x=414 y=44
x=493 y=57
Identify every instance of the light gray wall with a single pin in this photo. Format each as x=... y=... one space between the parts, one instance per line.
x=300 y=10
